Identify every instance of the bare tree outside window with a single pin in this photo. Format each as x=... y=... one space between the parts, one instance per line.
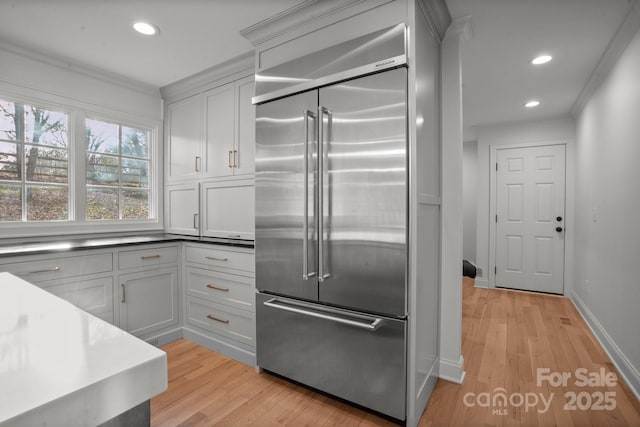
x=34 y=164
x=117 y=171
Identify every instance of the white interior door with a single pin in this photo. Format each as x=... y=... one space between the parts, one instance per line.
x=530 y=197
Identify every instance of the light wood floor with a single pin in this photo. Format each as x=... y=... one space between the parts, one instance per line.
x=507 y=336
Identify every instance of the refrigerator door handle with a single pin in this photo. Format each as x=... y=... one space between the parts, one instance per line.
x=305 y=227
x=370 y=324
x=322 y=111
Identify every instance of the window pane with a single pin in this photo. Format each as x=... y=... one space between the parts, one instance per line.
x=10 y=203
x=46 y=164
x=9 y=161
x=135 y=204
x=45 y=127
x=102 y=170
x=135 y=142
x=135 y=173
x=102 y=137
x=7 y=121
x=102 y=203
x=47 y=203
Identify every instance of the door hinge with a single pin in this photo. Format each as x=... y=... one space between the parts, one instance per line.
x=495 y=270
x=496 y=166
x=496 y=219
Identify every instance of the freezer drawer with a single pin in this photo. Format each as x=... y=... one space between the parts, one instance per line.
x=353 y=356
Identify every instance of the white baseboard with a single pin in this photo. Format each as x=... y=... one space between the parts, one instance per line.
x=451 y=370
x=629 y=372
x=237 y=353
x=165 y=337
x=481 y=283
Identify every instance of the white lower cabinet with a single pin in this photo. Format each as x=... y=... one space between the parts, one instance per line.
x=220 y=295
x=148 y=300
x=92 y=295
x=157 y=291
x=84 y=278
x=223 y=321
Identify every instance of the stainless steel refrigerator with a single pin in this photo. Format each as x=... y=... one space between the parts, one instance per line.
x=331 y=238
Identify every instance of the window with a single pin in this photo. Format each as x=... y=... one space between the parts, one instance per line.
x=34 y=164
x=117 y=171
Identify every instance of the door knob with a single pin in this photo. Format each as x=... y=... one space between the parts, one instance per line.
x=558 y=229
x=558 y=218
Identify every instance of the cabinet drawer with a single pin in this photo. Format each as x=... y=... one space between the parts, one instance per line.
x=227 y=321
x=94 y=295
x=233 y=290
x=225 y=259
x=58 y=268
x=145 y=257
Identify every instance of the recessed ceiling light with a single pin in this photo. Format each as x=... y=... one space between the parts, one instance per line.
x=542 y=59
x=145 y=28
x=532 y=103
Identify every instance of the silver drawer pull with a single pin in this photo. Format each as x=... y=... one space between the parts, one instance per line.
x=46 y=270
x=216 y=259
x=217 y=288
x=216 y=319
x=234 y=235
x=282 y=305
x=150 y=257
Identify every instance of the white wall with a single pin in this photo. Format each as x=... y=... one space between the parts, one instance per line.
x=555 y=130
x=35 y=76
x=36 y=79
x=607 y=272
x=469 y=199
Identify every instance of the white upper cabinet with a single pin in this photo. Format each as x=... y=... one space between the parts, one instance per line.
x=246 y=137
x=229 y=129
x=210 y=150
x=184 y=139
x=182 y=213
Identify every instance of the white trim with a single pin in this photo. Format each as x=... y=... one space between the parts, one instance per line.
x=212 y=77
x=618 y=44
x=299 y=16
x=629 y=372
x=451 y=370
x=481 y=283
x=77 y=112
x=79 y=68
x=222 y=347
x=490 y=275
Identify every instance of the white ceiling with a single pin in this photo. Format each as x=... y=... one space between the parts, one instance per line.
x=198 y=34
x=194 y=34
x=496 y=74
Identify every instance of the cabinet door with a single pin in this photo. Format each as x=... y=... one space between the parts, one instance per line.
x=246 y=128
x=92 y=295
x=182 y=213
x=220 y=131
x=184 y=139
x=148 y=300
x=229 y=207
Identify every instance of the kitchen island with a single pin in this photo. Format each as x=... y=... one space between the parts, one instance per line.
x=62 y=366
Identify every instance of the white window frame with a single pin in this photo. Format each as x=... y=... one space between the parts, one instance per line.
x=77 y=222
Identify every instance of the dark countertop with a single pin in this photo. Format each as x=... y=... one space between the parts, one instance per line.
x=51 y=244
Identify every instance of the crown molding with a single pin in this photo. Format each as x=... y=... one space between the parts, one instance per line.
x=79 y=68
x=623 y=36
x=211 y=77
x=300 y=16
x=461 y=27
x=437 y=13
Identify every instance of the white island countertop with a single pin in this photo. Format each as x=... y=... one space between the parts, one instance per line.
x=62 y=366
